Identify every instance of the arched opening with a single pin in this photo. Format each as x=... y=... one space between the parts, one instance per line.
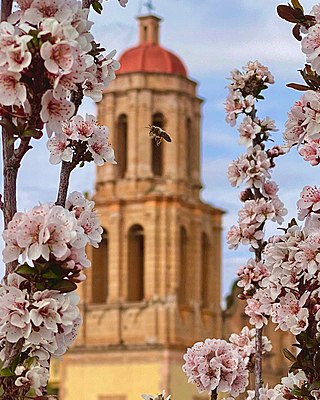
x=100 y=267
x=205 y=270
x=145 y=33
x=190 y=149
x=183 y=267
x=122 y=145
x=157 y=151
x=135 y=263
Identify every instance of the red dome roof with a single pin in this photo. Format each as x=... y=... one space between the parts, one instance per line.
x=149 y=57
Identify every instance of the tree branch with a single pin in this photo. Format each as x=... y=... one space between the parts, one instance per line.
x=66 y=169
x=6 y=7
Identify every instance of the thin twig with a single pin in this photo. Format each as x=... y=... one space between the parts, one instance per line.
x=258 y=363
x=86 y=3
x=214 y=395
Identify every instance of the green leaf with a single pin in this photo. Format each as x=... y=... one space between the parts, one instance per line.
x=41 y=266
x=294 y=367
x=6 y=372
x=28 y=363
x=297 y=86
x=50 y=274
x=314 y=385
x=40 y=286
x=35 y=133
x=289 y=355
x=9 y=125
x=296 y=391
x=97 y=7
x=15 y=362
x=64 y=286
x=26 y=271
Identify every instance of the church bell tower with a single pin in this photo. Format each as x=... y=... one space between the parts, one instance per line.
x=154 y=286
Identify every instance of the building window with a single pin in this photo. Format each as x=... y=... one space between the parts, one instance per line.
x=183 y=267
x=122 y=145
x=157 y=151
x=190 y=149
x=135 y=263
x=205 y=270
x=100 y=267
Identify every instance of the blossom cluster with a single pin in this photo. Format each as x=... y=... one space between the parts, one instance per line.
x=282 y=391
x=310 y=45
x=256 y=211
x=50 y=234
x=36 y=306
x=245 y=341
x=48 y=62
x=244 y=90
x=86 y=133
x=216 y=365
x=250 y=275
x=293 y=262
x=303 y=127
x=48 y=322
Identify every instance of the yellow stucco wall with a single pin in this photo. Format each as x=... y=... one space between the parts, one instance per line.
x=115 y=382
x=180 y=389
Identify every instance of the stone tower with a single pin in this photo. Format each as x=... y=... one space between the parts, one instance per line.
x=154 y=285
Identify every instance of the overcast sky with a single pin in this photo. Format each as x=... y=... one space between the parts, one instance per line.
x=212 y=37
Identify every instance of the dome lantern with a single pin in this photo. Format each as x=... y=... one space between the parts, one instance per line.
x=149 y=56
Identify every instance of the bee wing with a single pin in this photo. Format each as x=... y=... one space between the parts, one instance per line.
x=166 y=136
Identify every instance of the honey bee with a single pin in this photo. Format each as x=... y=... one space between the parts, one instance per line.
x=158 y=134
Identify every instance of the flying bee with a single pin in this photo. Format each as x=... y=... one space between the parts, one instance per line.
x=158 y=134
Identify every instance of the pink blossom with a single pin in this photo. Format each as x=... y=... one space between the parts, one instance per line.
x=309 y=201
x=59 y=57
x=269 y=189
x=59 y=150
x=253 y=311
x=36 y=378
x=41 y=9
x=18 y=59
x=265 y=394
x=42 y=231
x=255 y=68
x=248 y=131
x=77 y=202
x=90 y=224
x=14 y=314
x=216 y=364
x=251 y=274
x=108 y=68
x=310 y=152
x=234 y=237
x=84 y=127
x=12 y=91
x=54 y=112
x=245 y=342
x=310 y=46
x=100 y=148
x=233 y=106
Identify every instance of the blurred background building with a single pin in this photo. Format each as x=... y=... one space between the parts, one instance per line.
x=154 y=288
